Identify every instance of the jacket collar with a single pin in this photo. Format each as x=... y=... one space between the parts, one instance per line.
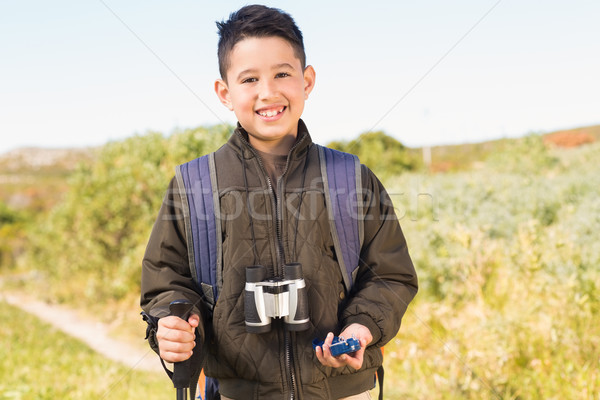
x=239 y=141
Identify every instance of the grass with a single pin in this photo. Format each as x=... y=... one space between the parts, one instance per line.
x=39 y=362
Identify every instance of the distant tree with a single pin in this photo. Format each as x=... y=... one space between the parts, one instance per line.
x=383 y=154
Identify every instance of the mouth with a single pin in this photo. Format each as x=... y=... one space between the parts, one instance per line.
x=270 y=112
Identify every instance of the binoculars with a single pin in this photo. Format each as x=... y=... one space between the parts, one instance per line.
x=275 y=298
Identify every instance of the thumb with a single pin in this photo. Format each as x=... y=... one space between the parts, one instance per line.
x=194 y=320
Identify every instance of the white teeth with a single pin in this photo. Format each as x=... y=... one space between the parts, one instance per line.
x=270 y=113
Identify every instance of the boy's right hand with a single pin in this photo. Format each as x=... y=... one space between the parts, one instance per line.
x=176 y=337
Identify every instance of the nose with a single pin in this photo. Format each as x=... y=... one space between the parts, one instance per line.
x=267 y=90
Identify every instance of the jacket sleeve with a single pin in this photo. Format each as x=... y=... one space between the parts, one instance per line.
x=166 y=274
x=386 y=281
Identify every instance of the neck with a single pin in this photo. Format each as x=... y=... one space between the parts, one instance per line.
x=280 y=147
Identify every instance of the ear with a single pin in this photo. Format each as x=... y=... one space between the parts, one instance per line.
x=309 y=80
x=222 y=91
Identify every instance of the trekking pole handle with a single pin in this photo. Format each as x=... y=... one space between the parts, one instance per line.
x=181 y=309
x=181 y=370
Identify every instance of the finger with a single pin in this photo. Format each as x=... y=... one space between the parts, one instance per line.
x=320 y=357
x=194 y=320
x=326 y=360
x=175 y=351
x=164 y=334
x=356 y=361
x=176 y=323
x=325 y=351
x=329 y=339
x=358 y=331
x=176 y=347
x=174 y=335
x=327 y=348
x=365 y=342
x=331 y=360
x=175 y=357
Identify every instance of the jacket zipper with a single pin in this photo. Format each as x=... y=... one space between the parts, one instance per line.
x=288 y=363
x=279 y=228
x=279 y=215
x=280 y=252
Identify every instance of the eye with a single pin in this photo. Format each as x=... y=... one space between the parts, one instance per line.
x=249 y=80
x=282 y=75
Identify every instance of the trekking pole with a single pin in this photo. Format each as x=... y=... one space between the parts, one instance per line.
x=181 y=370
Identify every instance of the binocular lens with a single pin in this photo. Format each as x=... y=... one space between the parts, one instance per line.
x=292 y=271
x=255 y=273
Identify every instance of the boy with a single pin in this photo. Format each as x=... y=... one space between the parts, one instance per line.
x=272 y=213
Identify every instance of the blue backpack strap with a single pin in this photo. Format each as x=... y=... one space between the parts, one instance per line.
x=198 y=182
x=341 y=173
x=211 y=390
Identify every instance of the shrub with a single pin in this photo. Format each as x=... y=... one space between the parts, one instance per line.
x=91 y=245
x=509 y=281
x=12 y=235
x=383 y=154
x=525 y=155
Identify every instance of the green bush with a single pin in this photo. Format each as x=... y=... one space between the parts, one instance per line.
x=527 y=155
x=12 y=235
x=91 y=245
x=383 y=154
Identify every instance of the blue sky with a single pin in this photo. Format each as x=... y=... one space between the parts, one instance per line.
x=77 y=73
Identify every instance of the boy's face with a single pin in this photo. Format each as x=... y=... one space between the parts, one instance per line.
x=266 y=89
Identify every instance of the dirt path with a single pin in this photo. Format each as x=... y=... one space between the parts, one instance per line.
x=93 y=333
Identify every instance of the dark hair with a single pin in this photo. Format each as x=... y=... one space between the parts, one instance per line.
x=257 y=21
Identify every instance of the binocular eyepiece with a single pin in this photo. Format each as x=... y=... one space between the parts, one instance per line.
x=275 y=298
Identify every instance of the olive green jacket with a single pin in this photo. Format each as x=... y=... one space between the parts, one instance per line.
x=276 y=364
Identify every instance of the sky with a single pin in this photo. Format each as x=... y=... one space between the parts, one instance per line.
x=82 y=73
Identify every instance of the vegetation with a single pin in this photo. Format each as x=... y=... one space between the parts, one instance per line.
x=12 y=235
x=383 y=154
x=90 y=246
x=507 y=259
x=504 y=242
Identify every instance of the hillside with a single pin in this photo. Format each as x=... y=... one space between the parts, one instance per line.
x=574 y=137
x=469 y=155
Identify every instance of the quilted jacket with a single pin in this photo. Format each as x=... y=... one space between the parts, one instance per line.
x=282 y=364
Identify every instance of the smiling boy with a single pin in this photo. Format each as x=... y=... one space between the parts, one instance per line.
x=271 y=166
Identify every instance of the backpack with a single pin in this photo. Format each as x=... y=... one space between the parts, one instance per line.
x=341 y=174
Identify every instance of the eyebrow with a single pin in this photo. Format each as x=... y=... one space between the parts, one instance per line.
x=253 y=70
x=283 y=65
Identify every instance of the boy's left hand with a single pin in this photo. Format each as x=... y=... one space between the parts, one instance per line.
x=354 y=360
